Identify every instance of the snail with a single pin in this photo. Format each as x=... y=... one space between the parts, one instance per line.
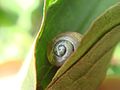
x=62 y=46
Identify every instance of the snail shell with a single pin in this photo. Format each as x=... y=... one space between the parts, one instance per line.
x=62 y=46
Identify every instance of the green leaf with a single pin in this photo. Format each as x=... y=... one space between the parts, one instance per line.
x=68 y=15
x=62 y=16
x=87 y=67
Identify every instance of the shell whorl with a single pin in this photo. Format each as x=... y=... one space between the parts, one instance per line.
x=62 y=46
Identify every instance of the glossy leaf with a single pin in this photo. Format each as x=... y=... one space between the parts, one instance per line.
x=59 y=17
x=87 y=67
x=62 y=16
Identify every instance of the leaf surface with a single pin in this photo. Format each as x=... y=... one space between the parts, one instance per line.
x=67 y=15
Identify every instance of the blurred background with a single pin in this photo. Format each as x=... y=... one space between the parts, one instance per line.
x=19 y=23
